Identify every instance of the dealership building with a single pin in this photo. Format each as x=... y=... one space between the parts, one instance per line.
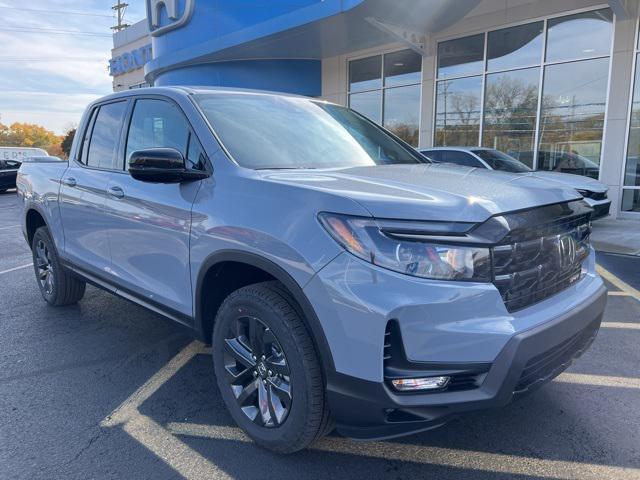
x=551 y=82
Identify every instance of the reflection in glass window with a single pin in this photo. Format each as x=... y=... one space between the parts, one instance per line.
x=573 y=108
x=368 y=104
x=157 y=124
x=402 y=68
x=458 y=111
x=515 y=47
x=462 y=56
x=578 y=36
x=510 y=109
x=104 y=139
x=631 y=200
x=365 y=74
x=400 y=94
x=632 y=170
x=402 y=112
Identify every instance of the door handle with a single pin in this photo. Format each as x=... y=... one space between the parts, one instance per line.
x=70 y=182
x=115 y=192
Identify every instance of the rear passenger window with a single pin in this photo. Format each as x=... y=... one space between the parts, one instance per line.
x=87 y=137
x=460 y=158
x=104 y=139
x=157 y=124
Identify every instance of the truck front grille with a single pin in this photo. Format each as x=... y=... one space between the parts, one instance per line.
x=538 y=262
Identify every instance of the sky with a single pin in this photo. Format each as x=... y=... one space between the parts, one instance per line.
x=53 y=58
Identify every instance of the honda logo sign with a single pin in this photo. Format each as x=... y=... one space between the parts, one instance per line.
x=176 y=17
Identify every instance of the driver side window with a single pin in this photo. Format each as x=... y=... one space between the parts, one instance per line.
x=157 y=124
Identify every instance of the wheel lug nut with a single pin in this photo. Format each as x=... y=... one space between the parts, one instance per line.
x=264 y=381
x=254 y=357
x=255 y=374
x=270 y=373
x=263 y=357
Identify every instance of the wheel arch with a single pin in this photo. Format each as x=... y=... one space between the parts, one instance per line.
x=205 y=314
x=33 y=219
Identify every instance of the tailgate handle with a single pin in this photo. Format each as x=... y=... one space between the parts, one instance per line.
x=70 y=182
x=115 y=192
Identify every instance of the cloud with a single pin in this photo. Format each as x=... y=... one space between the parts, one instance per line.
x=49 y=78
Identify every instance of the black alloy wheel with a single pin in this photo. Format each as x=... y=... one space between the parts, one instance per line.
x=44 y=266
x=268 y=370
x=58 y=285
x=258 y=372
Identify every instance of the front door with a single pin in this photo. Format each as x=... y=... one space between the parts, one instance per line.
x=150 y=223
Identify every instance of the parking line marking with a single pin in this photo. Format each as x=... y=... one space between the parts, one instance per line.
x=170 y=449
x=631 y=326
x=621 y=284
x=612 y=293
x=428 y=455
x=16 y=268
x=129 y=408
x=599 y=380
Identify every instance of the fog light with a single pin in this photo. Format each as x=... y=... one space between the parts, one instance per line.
x=413 y=384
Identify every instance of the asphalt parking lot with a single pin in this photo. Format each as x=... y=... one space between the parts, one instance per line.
x=106 y=389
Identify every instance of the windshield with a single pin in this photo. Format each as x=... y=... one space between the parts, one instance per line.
x=263 y=131
x=501 y=161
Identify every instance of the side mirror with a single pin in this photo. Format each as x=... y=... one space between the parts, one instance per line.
x=161 y=165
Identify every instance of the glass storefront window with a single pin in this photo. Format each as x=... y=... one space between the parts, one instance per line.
x=515 y=47
x=402 y=68
x=578 y=36
x=368 y=104
x=365 y=74
x=572 y=117
x=553 y=124
x=458 y=111
x=631 y=200
x=402 y=112
x=394 y=103
x=510 y=109
x=632 y=168
x=462 y=56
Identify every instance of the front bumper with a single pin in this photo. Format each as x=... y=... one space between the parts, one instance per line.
x=371 y=410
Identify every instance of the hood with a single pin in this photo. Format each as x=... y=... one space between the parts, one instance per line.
x=436 y=192
x=578 y=182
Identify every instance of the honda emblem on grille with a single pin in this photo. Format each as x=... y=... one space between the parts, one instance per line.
x=567 y=251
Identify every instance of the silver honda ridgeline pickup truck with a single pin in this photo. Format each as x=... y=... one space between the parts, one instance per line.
x=341 y=278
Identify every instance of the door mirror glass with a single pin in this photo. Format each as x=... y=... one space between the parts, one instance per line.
x=158 y=165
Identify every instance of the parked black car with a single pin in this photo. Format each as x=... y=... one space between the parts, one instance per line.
x=8 y=173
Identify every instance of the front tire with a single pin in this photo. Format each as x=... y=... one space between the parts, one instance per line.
x=58 y=285
x=267 y=369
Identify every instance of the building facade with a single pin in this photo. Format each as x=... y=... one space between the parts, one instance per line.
x=551 y=82
x=131 y=52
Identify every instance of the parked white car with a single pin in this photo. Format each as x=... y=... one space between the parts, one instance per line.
x=595 y=193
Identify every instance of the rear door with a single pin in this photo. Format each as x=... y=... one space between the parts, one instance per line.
x=150 y=223
x=83 y=190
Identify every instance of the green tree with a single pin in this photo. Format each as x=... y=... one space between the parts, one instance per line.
x=30 y=135
x=67 y=141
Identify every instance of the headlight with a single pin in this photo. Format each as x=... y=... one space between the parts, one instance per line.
x=584 y=193
x=374 y=241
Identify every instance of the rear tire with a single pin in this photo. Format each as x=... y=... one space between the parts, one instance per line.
x=58 y=285
x=255 y=390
